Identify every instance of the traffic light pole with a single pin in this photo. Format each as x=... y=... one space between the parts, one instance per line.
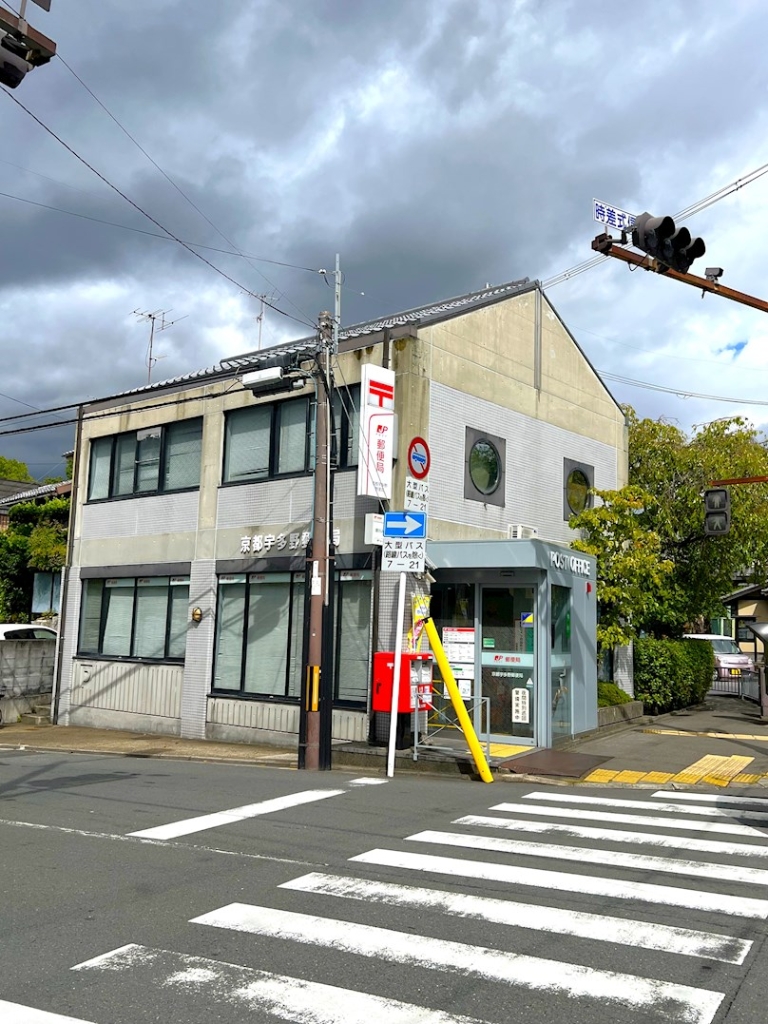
x=608 y=246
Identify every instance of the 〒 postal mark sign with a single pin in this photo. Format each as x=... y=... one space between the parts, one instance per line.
x=419 y=458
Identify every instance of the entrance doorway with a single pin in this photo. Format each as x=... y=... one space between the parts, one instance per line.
x=508 y=660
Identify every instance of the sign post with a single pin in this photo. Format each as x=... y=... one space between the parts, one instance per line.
x=396 y=676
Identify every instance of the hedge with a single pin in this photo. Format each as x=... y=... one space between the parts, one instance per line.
x=609 y=695
x=671 y=674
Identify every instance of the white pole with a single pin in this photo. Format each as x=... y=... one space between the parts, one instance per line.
x=396 y=678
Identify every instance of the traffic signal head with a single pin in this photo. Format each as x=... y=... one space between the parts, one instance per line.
x=672 y=247
x=649 y=233
x=13 y=60
x=717 y=511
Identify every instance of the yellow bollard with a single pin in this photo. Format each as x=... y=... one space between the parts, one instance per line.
x=458 y=704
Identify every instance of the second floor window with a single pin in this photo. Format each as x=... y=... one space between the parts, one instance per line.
x=149 y=461
x=278 y=439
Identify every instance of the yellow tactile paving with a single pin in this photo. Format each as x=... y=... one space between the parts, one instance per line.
x=506 y=749
x=628 y=776
x=657 y=777
x=695 y=772
x=601 y=775
x=747 y=779
x=731 y=767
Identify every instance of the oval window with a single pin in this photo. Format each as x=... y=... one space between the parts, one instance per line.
x=577 y=491
x=484 y=466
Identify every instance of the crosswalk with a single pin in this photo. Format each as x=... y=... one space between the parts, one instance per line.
x=597 y=908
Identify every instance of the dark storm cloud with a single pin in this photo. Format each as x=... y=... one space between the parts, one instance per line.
x=436 y=145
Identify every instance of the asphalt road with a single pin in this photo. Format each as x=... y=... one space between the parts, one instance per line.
x=308 y=902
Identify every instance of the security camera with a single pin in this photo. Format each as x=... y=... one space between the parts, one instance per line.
x=713 y=273
x=13 y=65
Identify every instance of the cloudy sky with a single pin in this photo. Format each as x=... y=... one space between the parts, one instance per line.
x=435 y=144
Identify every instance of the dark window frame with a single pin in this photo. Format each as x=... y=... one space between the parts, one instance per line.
x=165 y=429
x=103 y=609
x=344 y=455
x=297 y=593
x=572 y=466
x=472 y=492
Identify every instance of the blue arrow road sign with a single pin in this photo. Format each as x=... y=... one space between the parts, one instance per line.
x=405 y=524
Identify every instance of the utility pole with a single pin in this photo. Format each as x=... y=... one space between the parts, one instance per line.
x=164 y=325
x=314 y=752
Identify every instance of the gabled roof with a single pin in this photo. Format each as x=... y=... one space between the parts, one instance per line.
x=752 y=590
x=420 y=316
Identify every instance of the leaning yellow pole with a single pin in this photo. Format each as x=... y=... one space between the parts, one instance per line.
x=458 y=704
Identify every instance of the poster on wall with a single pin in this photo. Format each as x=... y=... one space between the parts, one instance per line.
x=376 y=440
x=459 y=647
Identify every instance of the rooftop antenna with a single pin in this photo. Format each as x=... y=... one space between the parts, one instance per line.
x=152 y=318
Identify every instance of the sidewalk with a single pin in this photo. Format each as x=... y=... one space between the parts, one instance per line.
x=722 y=743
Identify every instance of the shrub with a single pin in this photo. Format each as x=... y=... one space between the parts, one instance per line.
x=672 y=674
x=609 y=695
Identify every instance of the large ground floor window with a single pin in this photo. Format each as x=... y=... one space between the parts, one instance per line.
x=135 y=617
x=260 y=636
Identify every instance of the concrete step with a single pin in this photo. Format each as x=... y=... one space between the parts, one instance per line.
x=35 y=718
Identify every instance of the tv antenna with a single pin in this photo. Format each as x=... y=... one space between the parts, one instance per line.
x=163 y=325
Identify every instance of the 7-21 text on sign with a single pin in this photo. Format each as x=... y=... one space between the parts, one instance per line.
x=403 y=555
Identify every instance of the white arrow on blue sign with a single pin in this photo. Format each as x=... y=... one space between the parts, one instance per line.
x=405 y=524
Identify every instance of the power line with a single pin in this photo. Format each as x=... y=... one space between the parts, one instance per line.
x=144 y=231
x=170 y=180
x=678 y=391
x=149 y=217
x=689 y=211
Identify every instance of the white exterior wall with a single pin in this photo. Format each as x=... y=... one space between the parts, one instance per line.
x=534 y=466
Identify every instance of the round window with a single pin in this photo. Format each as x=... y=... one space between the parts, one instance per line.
x=484 y=466
x=577 y=491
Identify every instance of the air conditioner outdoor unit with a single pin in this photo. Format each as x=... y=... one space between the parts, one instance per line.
x=519 y=532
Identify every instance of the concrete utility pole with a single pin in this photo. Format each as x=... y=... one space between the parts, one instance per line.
x=315 y=755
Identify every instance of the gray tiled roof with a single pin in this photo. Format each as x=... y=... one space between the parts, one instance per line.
x=36 y=492
x=421 y=316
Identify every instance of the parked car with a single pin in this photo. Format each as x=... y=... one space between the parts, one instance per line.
x=20 y=631
x=730 y=660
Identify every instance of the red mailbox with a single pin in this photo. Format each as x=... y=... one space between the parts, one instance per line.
x=415 y=681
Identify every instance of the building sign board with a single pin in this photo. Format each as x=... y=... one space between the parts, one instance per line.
x=376 y=440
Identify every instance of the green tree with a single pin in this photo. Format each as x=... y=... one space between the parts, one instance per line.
x=662 y=510
x=12 y=469
x=36 y=540
x=633 y=579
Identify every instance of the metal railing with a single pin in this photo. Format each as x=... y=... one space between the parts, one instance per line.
x=746 y=685
x=436 y=720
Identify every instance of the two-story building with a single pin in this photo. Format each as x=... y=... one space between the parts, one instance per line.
x=185 y=591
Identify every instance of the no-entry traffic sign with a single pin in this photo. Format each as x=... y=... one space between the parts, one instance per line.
x=419 y=458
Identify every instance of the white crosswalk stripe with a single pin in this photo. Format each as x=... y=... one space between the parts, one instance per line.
x=405 y=892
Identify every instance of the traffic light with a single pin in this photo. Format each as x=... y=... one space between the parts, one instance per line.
x=22 y=47
x=673 y=247
x=717 y=512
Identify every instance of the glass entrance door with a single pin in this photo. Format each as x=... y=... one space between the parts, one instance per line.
x=508 y=651
x=560 y=661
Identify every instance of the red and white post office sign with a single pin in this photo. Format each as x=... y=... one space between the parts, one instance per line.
x=377 y=431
